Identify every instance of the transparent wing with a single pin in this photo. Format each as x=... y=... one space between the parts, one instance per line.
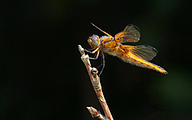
x=145 y=52
x=139 y=56
x=131 y=33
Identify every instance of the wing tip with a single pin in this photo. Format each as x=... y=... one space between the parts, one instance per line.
x=137 y=28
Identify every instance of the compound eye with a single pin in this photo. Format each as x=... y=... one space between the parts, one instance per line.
x=95 y=39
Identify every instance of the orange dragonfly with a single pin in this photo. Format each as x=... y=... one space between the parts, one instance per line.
x=139 y=55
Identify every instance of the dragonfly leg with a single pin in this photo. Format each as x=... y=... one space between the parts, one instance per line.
x=93 y=58
x=88 y=51
x=96 y=57
x=102 y=64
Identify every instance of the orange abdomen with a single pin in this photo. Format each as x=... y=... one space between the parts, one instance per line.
x=133 y=59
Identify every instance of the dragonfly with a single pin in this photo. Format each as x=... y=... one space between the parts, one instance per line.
x=139 y=55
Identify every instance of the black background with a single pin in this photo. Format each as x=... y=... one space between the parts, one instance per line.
x=43 y=78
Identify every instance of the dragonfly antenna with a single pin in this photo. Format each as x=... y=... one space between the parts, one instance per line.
x=101 y=30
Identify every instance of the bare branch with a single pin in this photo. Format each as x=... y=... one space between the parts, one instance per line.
x=95 y=80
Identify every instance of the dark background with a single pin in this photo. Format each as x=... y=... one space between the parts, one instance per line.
x=43 y=78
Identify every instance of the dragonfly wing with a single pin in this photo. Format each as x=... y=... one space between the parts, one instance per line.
x=140 y=55
x=145 y=52
x=131 y=33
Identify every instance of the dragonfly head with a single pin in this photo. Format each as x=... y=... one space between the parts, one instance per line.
x=94 y=40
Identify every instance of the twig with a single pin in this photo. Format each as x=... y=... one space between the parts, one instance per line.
x=95 y=80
